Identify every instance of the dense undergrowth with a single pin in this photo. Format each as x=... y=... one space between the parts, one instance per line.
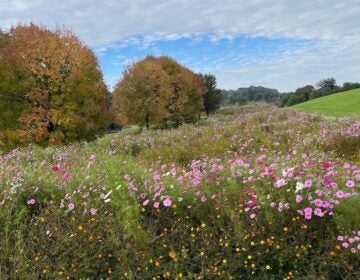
x=253 y=192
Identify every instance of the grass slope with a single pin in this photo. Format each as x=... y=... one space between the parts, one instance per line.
x=338 y=105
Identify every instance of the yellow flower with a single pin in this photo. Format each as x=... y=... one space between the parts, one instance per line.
x=249 y=257
x=268 y=267
x=172 y=255
x=157 y=263
x=285 y=229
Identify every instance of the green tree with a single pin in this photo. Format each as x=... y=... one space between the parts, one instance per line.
x=212 y=96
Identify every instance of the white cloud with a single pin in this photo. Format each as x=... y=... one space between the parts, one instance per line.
x=335 y=25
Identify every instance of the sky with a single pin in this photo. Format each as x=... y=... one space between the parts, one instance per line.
x=282 y=44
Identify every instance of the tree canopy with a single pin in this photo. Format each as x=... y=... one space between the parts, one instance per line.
x=51 y=88
x=156 y=90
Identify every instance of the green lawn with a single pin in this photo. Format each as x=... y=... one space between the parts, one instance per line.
x=338 y=105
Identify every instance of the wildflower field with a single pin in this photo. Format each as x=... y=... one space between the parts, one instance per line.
x=253 y=192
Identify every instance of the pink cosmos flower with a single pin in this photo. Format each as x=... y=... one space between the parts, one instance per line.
x=253 y=216
x=31 y=202
x=65 y=178
x=146 y=202
x=318 y=212
x=345 y=244
x=167 y=202
x=93 y=211
x=339 y=194
x=279 y=183
x=298 y=198
x=156 y=205
x=340 y=238
x=308 y=183
x=71 y=206
x=308 y=213
x=350 y=183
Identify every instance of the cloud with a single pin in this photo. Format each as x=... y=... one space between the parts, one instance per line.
x=118 y=24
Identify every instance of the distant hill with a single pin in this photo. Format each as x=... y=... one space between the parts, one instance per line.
x=242 y=96
x=340 y=104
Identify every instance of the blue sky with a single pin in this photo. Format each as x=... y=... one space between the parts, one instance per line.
x=204 y=53
x=283 y=44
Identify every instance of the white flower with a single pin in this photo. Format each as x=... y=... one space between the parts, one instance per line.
x=299 y=187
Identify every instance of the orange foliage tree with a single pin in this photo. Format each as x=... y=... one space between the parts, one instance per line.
x=156 y=90
x=55 y=81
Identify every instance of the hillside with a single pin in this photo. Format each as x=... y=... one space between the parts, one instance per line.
x=338 y=105
x=246 y=194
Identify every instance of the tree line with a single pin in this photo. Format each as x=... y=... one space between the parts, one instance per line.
x=52 y=90
x=324 y=87
x=244 y=95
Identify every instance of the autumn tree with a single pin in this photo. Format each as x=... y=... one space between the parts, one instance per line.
x=187 y=90
x=56 y=80
x=142 y=95
x=157 y=90
x=212 y=96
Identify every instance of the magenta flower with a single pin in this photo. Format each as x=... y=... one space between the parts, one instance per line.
x=340 y=238
x=71 y=206
x=345 y=244
x=146 y=202
x=93 y=211
x=350 y=183
x=339 y=194
x=55 y=168
x=167 y=202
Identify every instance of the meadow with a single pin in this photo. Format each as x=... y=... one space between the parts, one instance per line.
x=252 y=192
x=338 y=105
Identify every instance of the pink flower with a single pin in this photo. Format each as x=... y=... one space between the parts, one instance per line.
x=340 y=238
x=308 y=213
x=339 y=194
x=71 y=206
x=350 y=183
x=167 y=202
x=65 y=178
x=203 y=198
x=298 y=198
x=346 y=165
x=146 y=202
x=250 y=203
x=156 y=205
x=345 y=244
x=31 y=202
x=351 y=240
x=156 y=177
x=253 y=216
x=308 y=183
x=93 y=211
x=279 y=183
x=318 y=212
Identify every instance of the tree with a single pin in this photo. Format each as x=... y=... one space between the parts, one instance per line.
x=142 y=95
x=329 y=84
x=212 y=96
x=187 y=90
x=57 y=81
x=156 y=90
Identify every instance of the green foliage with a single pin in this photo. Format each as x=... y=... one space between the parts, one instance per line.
x=212 y=96
x=251 y=94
